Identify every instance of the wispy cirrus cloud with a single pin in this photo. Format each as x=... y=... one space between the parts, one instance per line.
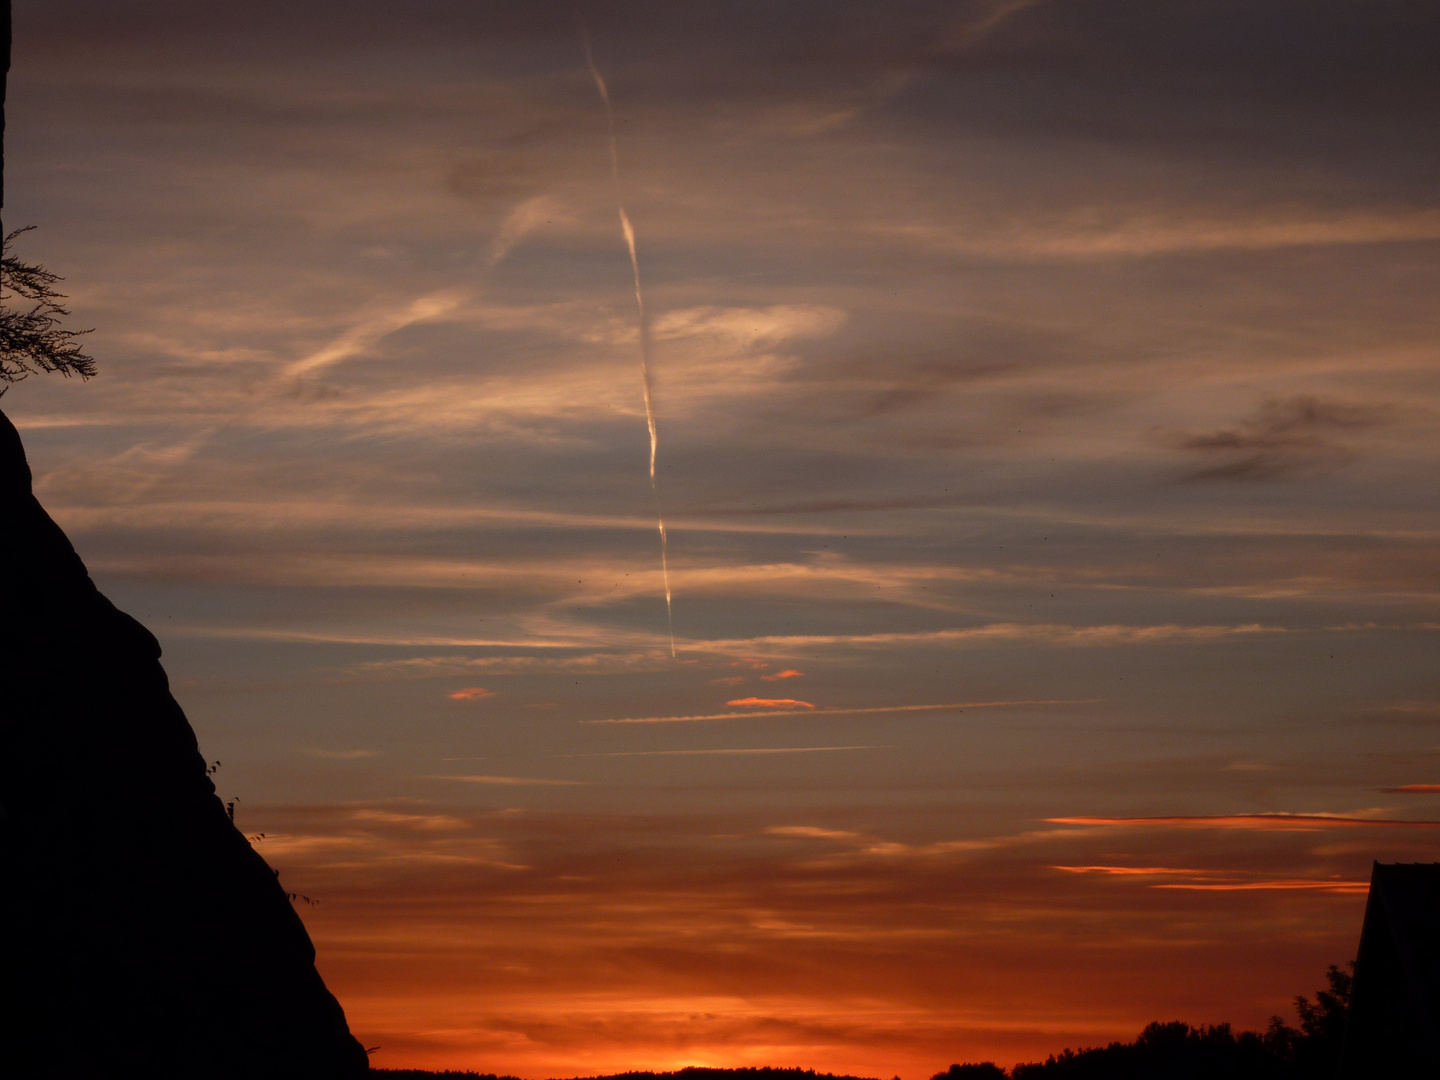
x=738 y=751
x=523 y=219
x=812 y=710
x=996 y=633
x=1220 y=880
x=369 y=331
x=511 y=781
x=1086 y=234
x=1344 y=888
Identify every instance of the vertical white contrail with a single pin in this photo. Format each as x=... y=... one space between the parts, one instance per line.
x=628 y=232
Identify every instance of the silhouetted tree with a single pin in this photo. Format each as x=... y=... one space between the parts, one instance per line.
x=1315 y=1048
x=1177 y=1051
x=31 y=338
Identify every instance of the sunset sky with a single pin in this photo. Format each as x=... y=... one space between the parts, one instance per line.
x=1048 y=410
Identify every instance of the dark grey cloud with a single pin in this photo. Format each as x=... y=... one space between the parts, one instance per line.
x=1282 y=438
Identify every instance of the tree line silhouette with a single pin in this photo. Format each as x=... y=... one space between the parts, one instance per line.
x=1177 y=1051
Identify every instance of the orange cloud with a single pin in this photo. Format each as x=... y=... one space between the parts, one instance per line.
x=1349 y=888
x=1412 y=789
x=471 y=693
x=789 y=673
x=1264 y=822
x=852 y=711
x=1134 y=871
x=771 y=703
x=1332 y=885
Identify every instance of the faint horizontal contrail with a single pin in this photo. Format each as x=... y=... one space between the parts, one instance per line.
x=628 y=232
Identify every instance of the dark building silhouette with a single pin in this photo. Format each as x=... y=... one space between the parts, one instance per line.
x=1393 y=1027
x=140 y=934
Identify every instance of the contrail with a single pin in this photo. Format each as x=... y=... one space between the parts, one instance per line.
x=628 y=231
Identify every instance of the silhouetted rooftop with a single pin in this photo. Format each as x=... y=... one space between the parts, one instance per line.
x=1394 y=1020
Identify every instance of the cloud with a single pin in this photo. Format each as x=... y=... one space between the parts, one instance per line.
x=1040 y=633
x=1348 y=888
x=771 y=703
x=1135 y=871
x=1204 y=880
x=387 y=817
x=1089 y=234
x=524 y=218
x=788 y=673
x=811 y=832
x=1285 y=437
x=1270 y=822
x=1409 y=713
x=470 y=693
x=740 y=751
x=811 y=710
x=369 y=331
x=432 y=667
x=1412 y=789
x=833 y=506
x=511 y=781
x=315 y=513
x=981 y=20
x=748 y=327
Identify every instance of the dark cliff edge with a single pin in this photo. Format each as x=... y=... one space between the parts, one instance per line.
x=142 y=935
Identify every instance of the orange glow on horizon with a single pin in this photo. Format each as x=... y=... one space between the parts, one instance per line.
x=551 y=944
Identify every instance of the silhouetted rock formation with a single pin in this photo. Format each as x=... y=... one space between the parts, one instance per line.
x=1394 y=1024
x=142 y=936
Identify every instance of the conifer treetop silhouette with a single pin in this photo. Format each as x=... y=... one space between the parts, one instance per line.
x=31 y=337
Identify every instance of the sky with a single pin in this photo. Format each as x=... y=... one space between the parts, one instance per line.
x=1047 y=402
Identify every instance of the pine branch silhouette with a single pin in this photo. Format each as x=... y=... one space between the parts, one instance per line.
x=31 y=338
